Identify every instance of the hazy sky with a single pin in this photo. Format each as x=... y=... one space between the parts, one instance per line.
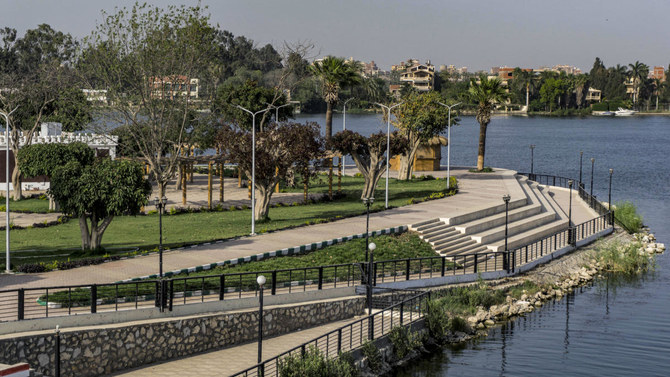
x=477 y=34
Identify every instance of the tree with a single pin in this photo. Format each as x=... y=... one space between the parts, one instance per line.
x=419 y=119
x=250 y=96
x=147 y=58
x=523 y=79
x=485 y=93
x=659 y=86
x=278 y=148
x=368 y=154
x=638 y=72
x=334 y=74
x=37 y=78
x=97 y=192
x=45 y=159
x=71 y=109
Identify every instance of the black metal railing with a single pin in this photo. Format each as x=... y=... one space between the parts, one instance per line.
x=350 y=336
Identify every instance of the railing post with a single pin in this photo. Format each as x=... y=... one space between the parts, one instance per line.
x=339 y=340
x=402 y=312
x=21 y=295
x=274 y=283
x=320 y=277
x=222 y=286
x=171 y=295
x=407 y=270
x=371 y=327
x=94 y=298
x=374 y=274
x=158 y=291
x=475 y=262
x=444 y=265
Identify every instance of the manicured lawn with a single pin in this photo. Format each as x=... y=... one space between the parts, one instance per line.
x=27 y=205
x=127 y=233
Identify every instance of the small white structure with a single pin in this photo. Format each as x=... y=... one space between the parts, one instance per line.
x=51 y=132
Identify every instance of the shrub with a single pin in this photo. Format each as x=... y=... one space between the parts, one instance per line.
x=404 y=341
x=371 y=352
x=624 y=258
x=436 y=320
x=453 y=183
x=457 y=324
x=626 y=213
x=31 y=268
x=487 y=169
x=315 y=364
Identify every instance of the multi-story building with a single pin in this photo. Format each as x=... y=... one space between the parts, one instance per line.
x=370 y=69
x=593 y=95
x=417 y=75
x=657 y=73
x=174 y=86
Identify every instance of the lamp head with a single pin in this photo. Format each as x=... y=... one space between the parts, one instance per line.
x=372 y=246
x=156 y=202
x=570 y=183
x=506 y=198
x=260 y=280
x=593 y=160
x=611 y=171
x=164 y=200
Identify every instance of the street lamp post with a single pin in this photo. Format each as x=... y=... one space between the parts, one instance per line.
x=609 y=200
x=371 y=271
x=253 y=165
x=388 y=146
x=367 y=202
x=570 y=213
x=271 y=106
x=506 y=199
x=344 y=128
x=160 y=206
x=6 y=115
x=593 y=161
x=581 y=155
x=449 y=142
x=261 y=282
x=532 y=159
x=57 y=352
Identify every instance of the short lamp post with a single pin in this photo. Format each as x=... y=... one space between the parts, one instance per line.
x=160 y=206
x=367 y=202
x=581 y=155
x=57 y=352
x=8 y=266
x=506 y=199
x=532 y=159
x=570 y=182
x=371 y=272
x=344 y=128
x=609 y=200
x=593 y=162
x=261 y=282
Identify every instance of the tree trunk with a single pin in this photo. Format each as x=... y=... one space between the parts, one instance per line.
x=406 y=167
x=482 y=146
x=97 y=232
x=53 y=205
x=263 y=197
x=91 y=238
x=17 y=191
x=85 y=237
x=329 y=120
x=372 y=171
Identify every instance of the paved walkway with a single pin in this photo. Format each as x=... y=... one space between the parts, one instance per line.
x=476 y=191
x=233 y=359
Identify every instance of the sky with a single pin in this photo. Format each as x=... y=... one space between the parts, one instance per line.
x=479 y=34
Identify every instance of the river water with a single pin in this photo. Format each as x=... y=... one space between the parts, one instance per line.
x=604 y=330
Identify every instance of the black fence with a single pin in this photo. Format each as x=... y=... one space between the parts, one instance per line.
x=33 y=303
x=351 y=336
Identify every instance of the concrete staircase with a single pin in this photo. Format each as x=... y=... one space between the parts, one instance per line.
x=533 y=214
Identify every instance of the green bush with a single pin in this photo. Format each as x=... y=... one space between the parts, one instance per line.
x=453 y=183
x=404 y=341
x=316 y=364
x=371 y=352
x=485 y=170
x=457 y=324
x=436 y=320
x=624 y=258
x=626 y=213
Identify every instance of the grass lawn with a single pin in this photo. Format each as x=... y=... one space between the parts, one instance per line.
x=26 y=205
x=62 y=242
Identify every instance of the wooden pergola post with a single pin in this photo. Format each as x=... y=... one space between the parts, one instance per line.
x=339 y=175
x=221 y=181
x=276 y=174
x=249 y=186
x=209 y=185
x=191 y=164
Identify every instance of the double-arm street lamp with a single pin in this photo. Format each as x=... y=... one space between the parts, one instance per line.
x=253 y=164
x=388 y=147
x=271 y=106
x=449 y=142
x=344 y=128
x=371 y=272
x=6 y=115
x=160 y=206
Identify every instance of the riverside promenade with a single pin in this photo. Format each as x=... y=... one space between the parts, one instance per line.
x=476 y=190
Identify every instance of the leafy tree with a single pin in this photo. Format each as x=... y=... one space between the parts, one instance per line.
x=551 y=91
x=278 y=148
x=638 y=72
x=250 y=96
x=334 y=74
x=37 y=75
x=659 y=87
x=523 y=79
x=419 y=119
x=70 y=109
x=368 y=154
x=485 y=93
x=97 y=192
x=140 y=55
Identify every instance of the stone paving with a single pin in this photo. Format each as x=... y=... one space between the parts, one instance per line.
x=475 y=190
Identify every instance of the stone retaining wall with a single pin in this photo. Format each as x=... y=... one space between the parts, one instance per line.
x=102 y=350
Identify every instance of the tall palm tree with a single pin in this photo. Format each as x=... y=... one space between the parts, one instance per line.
x=659 y=85
x=485 y=93
x=638 y=72
x=524 y=78
x=335 y=73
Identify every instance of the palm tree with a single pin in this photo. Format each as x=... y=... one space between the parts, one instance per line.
x=659 y=85
x=335 y=73
x=485 y=92
x=524 y=78
x=638 y=72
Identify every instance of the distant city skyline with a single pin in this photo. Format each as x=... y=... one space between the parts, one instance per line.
x=478 y=35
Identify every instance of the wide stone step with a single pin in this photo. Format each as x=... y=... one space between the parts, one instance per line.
x=489 y=222
x=440 y=242
x=438 y=232
x=469 y=249
x=513 y=228
x=422 y=226
x=459 y=242
x=530 y=236
x=552 y=202
x=484 y=212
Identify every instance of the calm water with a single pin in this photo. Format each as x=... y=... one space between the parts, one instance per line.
x=620 y=331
